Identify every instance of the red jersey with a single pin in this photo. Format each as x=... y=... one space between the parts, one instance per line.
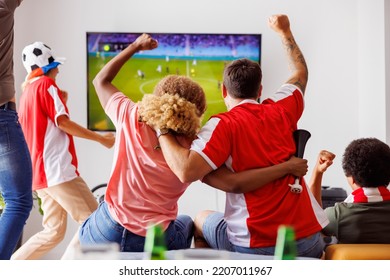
x=52 y=150
x=253 y=135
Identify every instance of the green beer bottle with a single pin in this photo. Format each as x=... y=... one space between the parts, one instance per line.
x=285 y=244
x=155 y=243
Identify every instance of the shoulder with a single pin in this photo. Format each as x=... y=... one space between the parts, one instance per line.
x=220 y=116
x=42 y=86
x=44 y=81
x=340 y=210
x=119 y=107
x=345 y=209
x=237 y=112
x=118 y=99
x=210 y=125
x=285 y=91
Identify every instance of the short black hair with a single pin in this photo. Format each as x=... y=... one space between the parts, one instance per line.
x=242 y=78
x=367 y=160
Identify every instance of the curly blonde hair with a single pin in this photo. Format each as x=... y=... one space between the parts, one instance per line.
x=177 y=103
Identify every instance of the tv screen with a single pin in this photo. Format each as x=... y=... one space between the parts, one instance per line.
x=199 y=56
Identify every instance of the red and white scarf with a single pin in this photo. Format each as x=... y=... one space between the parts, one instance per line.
x=362 y=195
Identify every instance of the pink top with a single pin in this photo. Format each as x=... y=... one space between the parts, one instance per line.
x=142 y=189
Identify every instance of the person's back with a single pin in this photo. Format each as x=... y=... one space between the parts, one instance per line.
x=154 y=197
x=363 y=217
x=49 y=133
x=360 y=222
x=142 y=190
x=261 y=136
x=52 y=150
x=251 y=136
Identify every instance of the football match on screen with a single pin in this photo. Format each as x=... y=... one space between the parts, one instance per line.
x=201 y=57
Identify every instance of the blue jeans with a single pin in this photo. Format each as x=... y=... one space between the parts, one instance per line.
x=15 y=182
x=214 y=232
x=101 y=228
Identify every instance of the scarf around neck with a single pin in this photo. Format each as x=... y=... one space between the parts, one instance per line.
x=362 y=195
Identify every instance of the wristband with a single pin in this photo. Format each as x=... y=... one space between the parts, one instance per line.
x=162 y=131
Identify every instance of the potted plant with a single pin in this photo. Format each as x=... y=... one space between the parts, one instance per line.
x=39 y=201
x=2 y=204
x=35 y=196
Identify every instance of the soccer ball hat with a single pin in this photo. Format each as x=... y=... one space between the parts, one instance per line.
x=38 y=58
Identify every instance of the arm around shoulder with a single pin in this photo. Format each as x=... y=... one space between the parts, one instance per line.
x=187 y=165
x=250 y=180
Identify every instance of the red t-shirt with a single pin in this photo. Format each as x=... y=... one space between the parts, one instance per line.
x=253 y=135
x=52 y=150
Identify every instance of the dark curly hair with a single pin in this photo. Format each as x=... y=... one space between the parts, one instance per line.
x=367 y=160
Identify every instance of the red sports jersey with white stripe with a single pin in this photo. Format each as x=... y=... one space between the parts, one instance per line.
x=253 y=135
x=40 y=106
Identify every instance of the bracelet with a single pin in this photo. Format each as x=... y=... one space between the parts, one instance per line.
x=162 y=131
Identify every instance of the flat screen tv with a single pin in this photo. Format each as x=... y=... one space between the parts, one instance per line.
x=199 y=56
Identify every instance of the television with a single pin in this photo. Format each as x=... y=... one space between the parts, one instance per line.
x=199 y=56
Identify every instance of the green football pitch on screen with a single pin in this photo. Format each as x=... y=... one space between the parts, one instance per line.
x=139 y=76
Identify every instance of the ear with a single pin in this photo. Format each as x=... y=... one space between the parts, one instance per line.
x=352 y=183
x=260 y=91
x=224 y=91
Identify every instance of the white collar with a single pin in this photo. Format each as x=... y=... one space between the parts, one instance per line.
x=246 y=101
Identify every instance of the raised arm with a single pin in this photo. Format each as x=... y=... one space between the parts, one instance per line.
x=297 y=63
x=103 y=80
x=250 y=180
x=325 y=159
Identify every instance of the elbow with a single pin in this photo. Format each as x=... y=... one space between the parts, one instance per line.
x=97 y=81
x=230 y=187
x=100 y=80
x=233 y=185
x=234 y=188
x=187 y=177
x=63 y=122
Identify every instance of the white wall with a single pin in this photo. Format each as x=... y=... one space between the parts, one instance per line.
x=343 y=43
x=371 y=69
